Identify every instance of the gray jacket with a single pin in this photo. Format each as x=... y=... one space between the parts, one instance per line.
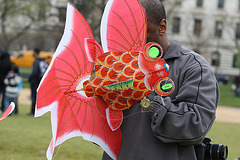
x=170 y=131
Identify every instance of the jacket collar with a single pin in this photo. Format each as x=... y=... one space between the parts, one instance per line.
x=174 y=51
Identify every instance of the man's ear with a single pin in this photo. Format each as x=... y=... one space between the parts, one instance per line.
x=162 y=27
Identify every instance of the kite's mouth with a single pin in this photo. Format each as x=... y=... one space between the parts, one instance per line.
x=79 y=86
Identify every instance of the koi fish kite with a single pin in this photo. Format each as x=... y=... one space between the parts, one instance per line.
x=126 y=70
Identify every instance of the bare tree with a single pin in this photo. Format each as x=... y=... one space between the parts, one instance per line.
x=17 y=17
x=92 y=10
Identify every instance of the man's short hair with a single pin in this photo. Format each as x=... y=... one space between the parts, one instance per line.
x=154 y=10
x=36 y=50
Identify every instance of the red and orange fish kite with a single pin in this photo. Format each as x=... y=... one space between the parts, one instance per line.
x=126 y=70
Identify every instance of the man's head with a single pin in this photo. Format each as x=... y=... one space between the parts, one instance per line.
x=36 y=52
x=47 y=59
x=156 y=22
x=15 y=69
x=154 y=10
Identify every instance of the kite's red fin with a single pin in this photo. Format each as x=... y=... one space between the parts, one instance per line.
x=93 y=49
x=114 y=118
x=123 y=26
x=61 y=92
x=8 y=111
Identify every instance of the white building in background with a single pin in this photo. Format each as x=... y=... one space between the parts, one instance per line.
x=210 y=27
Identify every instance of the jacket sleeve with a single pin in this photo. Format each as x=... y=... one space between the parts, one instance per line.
x=187 y=118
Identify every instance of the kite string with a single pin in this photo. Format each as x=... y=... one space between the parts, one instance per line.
x=141 y=111
x=57 y=151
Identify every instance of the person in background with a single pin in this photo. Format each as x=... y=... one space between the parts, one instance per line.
x=20 y=85
x=170 y=127
x=5 y=67
x=44 y=65
x=34 y=79
x=237 y=85
x=12 y=80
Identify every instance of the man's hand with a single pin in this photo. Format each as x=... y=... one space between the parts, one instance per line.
x=152 y=102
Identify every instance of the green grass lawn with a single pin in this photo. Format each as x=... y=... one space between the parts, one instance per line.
x=227 y=97
x=23 y=137
x=25 y=71
x=227 y=134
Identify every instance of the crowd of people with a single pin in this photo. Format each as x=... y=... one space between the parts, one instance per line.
x=11 y=80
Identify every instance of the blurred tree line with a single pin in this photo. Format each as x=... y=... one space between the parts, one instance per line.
x=17 y=17
x=27 y=22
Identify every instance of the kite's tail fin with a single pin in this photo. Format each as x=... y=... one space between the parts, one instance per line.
x=8 y=111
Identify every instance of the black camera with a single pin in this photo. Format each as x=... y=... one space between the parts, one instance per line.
x=215 y=151
x=208 y=151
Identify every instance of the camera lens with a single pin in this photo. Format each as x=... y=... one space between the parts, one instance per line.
x=216 y=152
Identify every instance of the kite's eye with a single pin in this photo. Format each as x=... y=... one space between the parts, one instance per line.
x=164 y=86
x=153 y=51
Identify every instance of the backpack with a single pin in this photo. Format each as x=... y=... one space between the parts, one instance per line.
x=42 y=68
